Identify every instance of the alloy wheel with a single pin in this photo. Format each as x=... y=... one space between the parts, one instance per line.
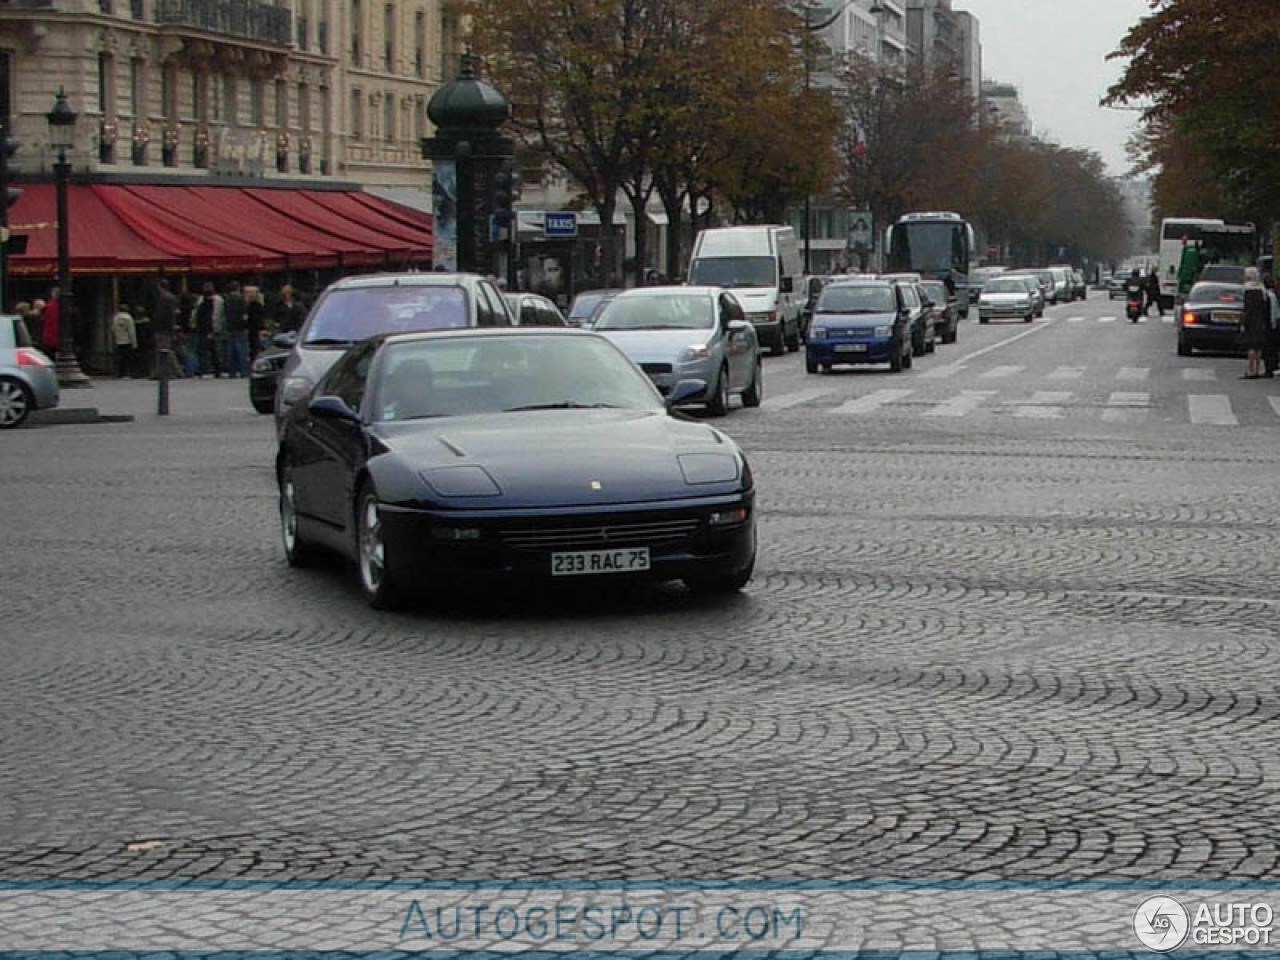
x=14 y=405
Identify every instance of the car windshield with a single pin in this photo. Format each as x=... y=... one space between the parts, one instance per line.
x=937 y=292
x=584 y=305
x=1005 y=285
x=510 y=374
x=661 y=311
x=349 y=316
x=734 y=272
x=1216 y=293
x=860 y=299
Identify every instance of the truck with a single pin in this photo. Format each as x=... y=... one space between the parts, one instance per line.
x=761 y=265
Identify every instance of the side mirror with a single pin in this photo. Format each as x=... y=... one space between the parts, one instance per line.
x=738 y=326
x=788 y=285
x=684 y=391
x=286 y=340
x=332 y=408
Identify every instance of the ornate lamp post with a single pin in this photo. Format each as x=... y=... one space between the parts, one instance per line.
x=62 y=132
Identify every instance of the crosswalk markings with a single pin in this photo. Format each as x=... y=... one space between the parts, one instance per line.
x=1199 y=373
x=1067 y=373
x=962 y=404
x=1126 y=407
x=1106 y=319
x=1211 y=409
x=1132 y=373
x=1075 y=319
x=786 y=401
x=1167 y=319
x=941 y=373
x=996 y=373
x=1044 y=405
x=872 y=401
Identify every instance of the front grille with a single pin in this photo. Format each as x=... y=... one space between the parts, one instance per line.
x=656 y=367
x=601 y=536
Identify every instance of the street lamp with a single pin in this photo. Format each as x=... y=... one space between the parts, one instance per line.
x=62 y=132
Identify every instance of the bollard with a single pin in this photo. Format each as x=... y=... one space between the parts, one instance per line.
x=163 y=358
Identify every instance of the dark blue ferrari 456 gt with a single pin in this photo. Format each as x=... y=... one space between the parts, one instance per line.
x=456 y=455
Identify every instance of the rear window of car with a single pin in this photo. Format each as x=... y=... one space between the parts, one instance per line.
x=349 y=316
x=1215 y=293
x=21 y=335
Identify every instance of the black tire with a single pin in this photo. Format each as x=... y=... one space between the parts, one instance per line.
x=793 y=341
x=375 y=571
x=720 y=584
x=983 y=320
x=297 y=551
x=262 y=404
x=718 y=402
x=754 y=393
x=16 y=403
x=810 y=365
x=1184 y=349
x=779 y=346
x=896 y=362
x=908 y=362
x=917 y=347
x=1028 y=318
x=953 y=332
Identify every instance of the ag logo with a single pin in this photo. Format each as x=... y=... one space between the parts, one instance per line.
x=1161 y=923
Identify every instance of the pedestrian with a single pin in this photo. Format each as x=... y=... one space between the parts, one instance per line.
x=143 y=356
x=23 y=310
x=1257 y=323
x=1153 y=292
x=211 y=332
x=1271 y=355
x=188 y=335
x=290 y=313
x=255 y=319
x=237 y=323
x=124 y=336
x=50 y=323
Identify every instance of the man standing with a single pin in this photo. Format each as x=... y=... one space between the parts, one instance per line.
x=255 y=319
x=125 y=336
x=237 y=332
x=1153 y=292
x=211 y=331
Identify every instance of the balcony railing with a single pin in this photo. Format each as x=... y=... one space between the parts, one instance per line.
x=249 y=19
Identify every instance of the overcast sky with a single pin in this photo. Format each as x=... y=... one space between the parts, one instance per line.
x=1055 y=52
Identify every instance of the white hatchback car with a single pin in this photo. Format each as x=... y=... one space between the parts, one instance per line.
x=27 y=378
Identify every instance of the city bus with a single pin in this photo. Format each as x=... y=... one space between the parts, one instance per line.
x=1220 y=242
x=936 y=245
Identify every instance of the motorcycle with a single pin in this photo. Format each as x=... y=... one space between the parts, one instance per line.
x=1133 y=308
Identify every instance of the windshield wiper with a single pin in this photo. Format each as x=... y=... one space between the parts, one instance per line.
x=328 y=342
x=563 y=405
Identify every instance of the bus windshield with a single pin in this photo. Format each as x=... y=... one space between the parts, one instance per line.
x=928 y=248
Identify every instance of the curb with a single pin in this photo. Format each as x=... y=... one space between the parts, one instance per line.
x=63 y=416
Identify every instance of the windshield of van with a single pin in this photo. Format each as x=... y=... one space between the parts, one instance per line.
x=343 y=317
x=734 y=272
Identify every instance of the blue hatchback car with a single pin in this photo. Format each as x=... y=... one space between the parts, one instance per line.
x=860 y=320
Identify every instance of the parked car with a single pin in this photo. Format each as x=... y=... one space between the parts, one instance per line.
x=27 y=378
x=1080 y=290
x=946 y=309
x=587 y=305
x=1008 y=296
x=859 y=321
x=461 y=457
x=813 y=288
x=681 y=334
x=924 y=332
x=356 y=308
x=762 y=265
x=532 y=310
x=1211 y=318
x=1063 y=285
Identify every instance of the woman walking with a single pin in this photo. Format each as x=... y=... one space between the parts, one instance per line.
x=1257 y=323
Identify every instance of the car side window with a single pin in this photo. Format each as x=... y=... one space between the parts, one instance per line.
x=348 y=377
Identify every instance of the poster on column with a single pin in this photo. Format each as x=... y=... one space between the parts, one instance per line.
x=444 y=202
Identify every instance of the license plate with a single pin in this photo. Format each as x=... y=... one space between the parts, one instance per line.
x=1228 y=319
x=588 y=562
x=851 y=348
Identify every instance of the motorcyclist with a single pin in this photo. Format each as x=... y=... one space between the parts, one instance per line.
x=1134 y=292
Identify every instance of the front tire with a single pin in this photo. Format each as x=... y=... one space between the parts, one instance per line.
x=16 y=403
x=810 y=365
x=297 y=551
x=262 y=404
x=375 y=569
x=1184 y=350
x=718 y=404
x=752 y=396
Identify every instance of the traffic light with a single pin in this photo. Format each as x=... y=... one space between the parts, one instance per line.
x=504 y=182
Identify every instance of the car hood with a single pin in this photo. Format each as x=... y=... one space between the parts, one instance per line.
x=856 y=321
x=757 y=299
x=657 y=346
x=558 y=458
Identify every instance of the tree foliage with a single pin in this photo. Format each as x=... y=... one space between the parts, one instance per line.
x=1203 y=73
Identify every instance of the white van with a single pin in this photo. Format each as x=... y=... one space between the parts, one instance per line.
x=762 y=267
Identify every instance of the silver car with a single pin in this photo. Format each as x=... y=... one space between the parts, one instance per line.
x=1008 y=296
x=27 y=378
x=688 y=335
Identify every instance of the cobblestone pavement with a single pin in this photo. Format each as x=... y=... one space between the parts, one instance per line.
x=1022 y=640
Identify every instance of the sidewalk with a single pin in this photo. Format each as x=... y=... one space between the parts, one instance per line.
x=189 y=399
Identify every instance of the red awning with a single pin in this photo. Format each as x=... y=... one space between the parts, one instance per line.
x=117 y=228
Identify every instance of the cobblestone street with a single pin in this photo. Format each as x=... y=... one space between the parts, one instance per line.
x=1034 y=638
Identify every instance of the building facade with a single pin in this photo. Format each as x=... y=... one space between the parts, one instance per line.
x=1003 y=108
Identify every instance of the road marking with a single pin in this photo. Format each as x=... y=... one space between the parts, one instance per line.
x=1167 y=319
x=1075 y=319
x=1211 y=409
x=963 y=403
x=1275 y=404
x=1106 y=319
x=1199 y=373
x=785 y=401
x=1132 y=373
x=1004 y=343
x=872 y=401
x=1067 y=373
x=996 y=373
x=1126 y=407
x=942 y=373
x=1044 y=405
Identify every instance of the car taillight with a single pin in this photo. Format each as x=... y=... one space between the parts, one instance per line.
x=1189 y=319
x=32 y=358
x=773 y=316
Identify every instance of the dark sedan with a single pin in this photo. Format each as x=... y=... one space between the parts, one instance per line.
x=1212 y=318
x=434 y=459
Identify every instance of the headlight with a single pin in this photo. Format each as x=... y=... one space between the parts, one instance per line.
x=696 y=351
x=725 y=518
x=294 y=389
x=817 y=333
x=265 y=365
x=883 y=331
